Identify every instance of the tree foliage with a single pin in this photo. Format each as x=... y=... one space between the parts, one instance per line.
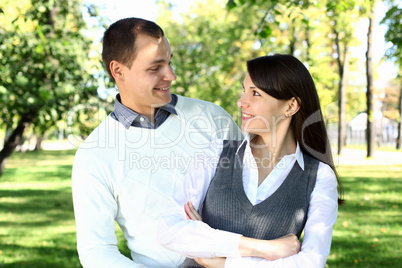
x=209 y=48
x=393 y=19
x=45 y=67
x=211 y=45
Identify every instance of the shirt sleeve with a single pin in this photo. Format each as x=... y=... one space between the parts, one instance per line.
x=195 y=238
x=317 y=238
x=95 y=209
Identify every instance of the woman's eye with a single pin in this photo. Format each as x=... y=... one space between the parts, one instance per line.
x=256 y=93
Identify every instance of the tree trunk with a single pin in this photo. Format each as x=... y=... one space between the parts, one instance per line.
x=342 y=105
x=342 y=68
x=15 y=138
x=370 y=131
x=292 y=45
x=39 y=140
x=308 y=42
x=399 y=141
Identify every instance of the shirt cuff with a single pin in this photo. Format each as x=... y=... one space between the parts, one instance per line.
x=229 y=244
x=241 y=262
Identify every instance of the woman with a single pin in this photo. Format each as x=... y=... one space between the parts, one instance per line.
x=280 y=179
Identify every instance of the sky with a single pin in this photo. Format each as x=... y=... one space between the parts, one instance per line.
x=118 y=9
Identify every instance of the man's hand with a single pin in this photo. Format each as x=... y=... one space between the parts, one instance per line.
x=211 y=262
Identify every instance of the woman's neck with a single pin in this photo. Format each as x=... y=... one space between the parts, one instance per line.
x=280 y=145
x=267 y=151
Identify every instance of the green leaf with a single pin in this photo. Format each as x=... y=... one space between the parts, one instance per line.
x=39 y=49
x=44 y=94
x=3 y=90
x=265 y=32
x=305 y=19
x=40 y=33
x=231 y=4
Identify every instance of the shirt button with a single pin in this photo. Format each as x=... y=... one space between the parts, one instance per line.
x=142 y=119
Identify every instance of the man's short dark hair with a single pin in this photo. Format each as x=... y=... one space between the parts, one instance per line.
x=119 y=40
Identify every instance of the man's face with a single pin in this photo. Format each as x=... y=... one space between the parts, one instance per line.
x=146 y=85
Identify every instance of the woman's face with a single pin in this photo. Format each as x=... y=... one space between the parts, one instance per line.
x=261 y=113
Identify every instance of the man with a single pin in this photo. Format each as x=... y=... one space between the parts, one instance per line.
x=127 y=169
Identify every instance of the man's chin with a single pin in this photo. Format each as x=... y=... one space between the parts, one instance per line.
x=163 y=101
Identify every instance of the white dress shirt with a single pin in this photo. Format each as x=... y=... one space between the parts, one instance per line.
x=197 y=239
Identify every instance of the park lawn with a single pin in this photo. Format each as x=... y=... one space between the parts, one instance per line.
x=37 y=227
x=368 y=232
x=37 y=222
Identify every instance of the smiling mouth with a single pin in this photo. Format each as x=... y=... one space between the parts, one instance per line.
x=162 y=89
x=247 y=115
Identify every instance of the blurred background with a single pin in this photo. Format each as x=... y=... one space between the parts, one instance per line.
x=54 y=92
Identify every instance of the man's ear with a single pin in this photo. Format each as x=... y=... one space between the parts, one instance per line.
x=116 y=68
x=293 y=106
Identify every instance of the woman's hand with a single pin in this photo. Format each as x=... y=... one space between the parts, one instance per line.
x=281 y=247
x=284 y=246
x=191 y=212
x=211 y=262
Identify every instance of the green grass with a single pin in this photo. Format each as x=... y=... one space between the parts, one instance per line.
x=368 y=232
x=37 y=227
x=37 y=222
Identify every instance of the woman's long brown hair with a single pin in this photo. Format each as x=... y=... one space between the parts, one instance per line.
x=284 y=77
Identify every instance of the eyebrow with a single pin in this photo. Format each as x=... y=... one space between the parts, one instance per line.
x=242 y=84
x=161 y=60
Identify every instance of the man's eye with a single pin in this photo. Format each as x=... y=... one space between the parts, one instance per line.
x=154 y=69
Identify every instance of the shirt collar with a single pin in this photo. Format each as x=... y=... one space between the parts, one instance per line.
x=298 y=154
x=171 y=106
x=246 y=139
x=127 y=116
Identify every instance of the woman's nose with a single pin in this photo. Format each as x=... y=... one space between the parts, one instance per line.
x=242 y=102
x=239 y=103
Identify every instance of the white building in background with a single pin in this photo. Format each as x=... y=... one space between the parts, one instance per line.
x=385 y=128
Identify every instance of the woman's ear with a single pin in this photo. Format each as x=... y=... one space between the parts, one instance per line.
x=116 y=68
x=293 y=106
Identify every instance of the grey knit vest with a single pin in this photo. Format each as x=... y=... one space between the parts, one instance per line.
x=226 y=206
